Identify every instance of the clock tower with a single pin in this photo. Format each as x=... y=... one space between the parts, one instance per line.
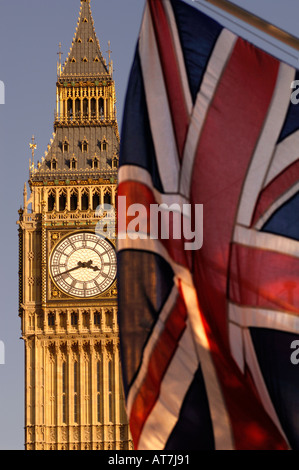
x=67 y=275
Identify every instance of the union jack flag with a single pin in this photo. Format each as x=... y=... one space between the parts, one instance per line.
x=206 y=335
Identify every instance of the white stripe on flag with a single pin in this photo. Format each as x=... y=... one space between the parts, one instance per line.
x=137 y=174
x=264 y=152
x=221 y=54
x=158 y=107
x=246 y=317
x=219 y=414
x=286 y=153
x=174 y=387
x=150 y=346
x=276 y=205
x=179 y=54
x=266 y=241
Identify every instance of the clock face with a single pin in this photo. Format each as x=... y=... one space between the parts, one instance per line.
x=83 y=265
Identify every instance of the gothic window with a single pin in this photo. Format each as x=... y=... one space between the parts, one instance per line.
x=104 y=145
x=51 y=319
x=77 y=107
x=65 y=146
x=93 y=107
x=74 y=201
x=107 y=198
x=62 y=202
x=73 y=163
x=97 y=318
x=101 y=107
x=109 y=318
x=85 y=20
x=79 y=40
x=85 y=319
x=51 y=202
x=84 y=59
x=70 y=107
x=84 y=201
x=96 y=59
x=54 y=163
x=74 y=319
x=95 y=162
x=84 y=146
x=73 y=59
x=95 y=201
x=114 y=163
x=90 y=40
x=85 y=107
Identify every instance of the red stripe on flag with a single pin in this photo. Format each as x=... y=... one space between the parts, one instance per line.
x=159 y=361
x=274 y=190
x=265 y=279
x=171 y=72
x=230 y=134
x=138 y=193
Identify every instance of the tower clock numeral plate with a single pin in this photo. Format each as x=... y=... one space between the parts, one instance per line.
x=83 y=265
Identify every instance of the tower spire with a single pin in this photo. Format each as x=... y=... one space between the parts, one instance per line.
x=85 y=57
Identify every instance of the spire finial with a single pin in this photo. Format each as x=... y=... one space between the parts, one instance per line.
x=59 y=53
x=109 y=58
x=109 y=51
x=33 y=147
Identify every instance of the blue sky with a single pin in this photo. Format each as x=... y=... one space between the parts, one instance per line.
x=30 y=32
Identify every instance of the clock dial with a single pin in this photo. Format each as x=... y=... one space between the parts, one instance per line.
x=83 y=265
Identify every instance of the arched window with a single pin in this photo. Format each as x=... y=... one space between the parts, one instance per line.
x=62 y=202
x=97 y=318
x=95 y=162
x=54 y=163
x=73 y=163
x=101 y=107
x=85 y=107
x=51 y=319
x=77 y=107
x=70 y=107
x=114 y=163
x=93 y=107
x=107 y=198
x=65 y=146
x=95 y=201
x=74 y=202
x=84 y=145
x=74 y=319
x=51 y=202
x=84 y=201
x=104 y=145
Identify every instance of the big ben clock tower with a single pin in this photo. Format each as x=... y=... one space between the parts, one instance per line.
x=68 y=297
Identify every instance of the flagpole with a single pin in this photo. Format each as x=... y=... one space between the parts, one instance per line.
x=257 y=22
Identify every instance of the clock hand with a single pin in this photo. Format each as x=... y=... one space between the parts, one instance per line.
x=79 y=265
x=89 y=265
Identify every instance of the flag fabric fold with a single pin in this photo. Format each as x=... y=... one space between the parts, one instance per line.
x=206 y=334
